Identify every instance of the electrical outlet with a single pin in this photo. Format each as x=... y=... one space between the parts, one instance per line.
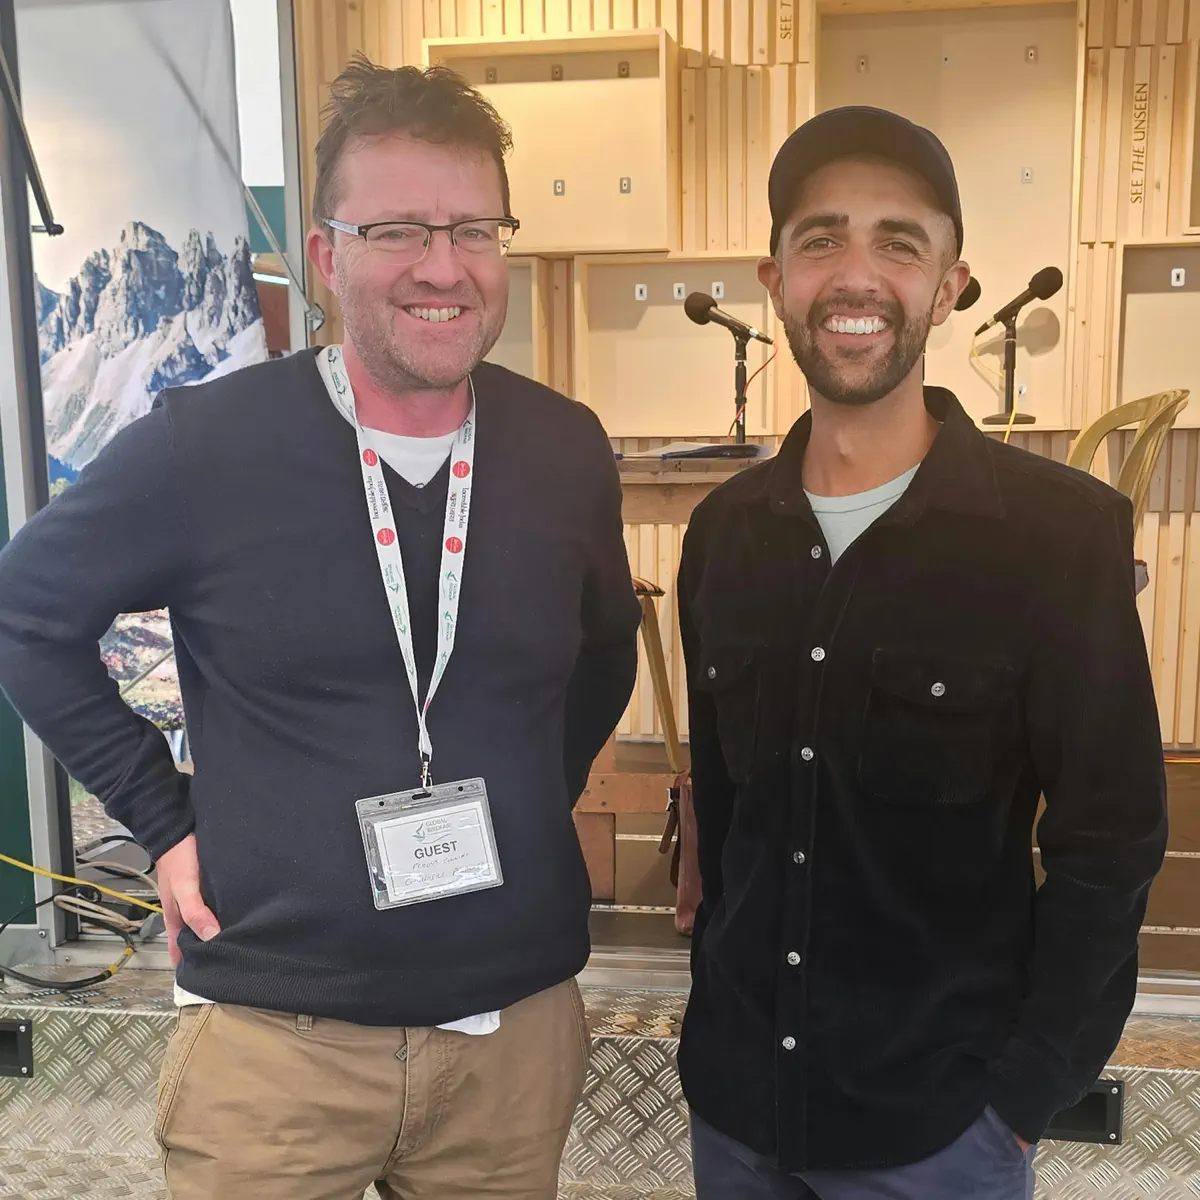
x=1178 y=277
x=626 y=185
x=863 y=64
x=560 y=187
x=490 y=75
x=1022 y=390
x=556 y=72
x=718 y=290
x=1031 y=54
x=946 y=60
x=1026 y=174
x=679 y=291
x=623 y=70
x=640 y=291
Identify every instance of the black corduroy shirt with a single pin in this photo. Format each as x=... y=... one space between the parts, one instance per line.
x=238 y=504
x=872 y=963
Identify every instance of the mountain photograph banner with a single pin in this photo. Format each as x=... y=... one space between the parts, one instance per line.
x=131 y=108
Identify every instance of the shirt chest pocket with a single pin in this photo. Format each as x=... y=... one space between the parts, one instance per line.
x=729 y=676
x=935 y=728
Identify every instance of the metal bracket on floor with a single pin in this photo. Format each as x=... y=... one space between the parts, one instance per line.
x=1099 y=1117
x=16 y=1048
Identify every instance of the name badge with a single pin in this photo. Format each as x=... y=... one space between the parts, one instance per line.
x=429 y=843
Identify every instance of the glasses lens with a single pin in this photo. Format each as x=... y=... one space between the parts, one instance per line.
x=405 y=243
x=482 y=237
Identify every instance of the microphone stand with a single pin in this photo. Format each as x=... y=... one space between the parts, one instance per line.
x=739 y=385
x=1010 y=372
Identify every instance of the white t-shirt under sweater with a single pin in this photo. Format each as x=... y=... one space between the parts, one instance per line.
x=843 y=519
x=418 y=460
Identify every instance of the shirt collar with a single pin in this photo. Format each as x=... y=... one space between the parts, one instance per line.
x=957 y=475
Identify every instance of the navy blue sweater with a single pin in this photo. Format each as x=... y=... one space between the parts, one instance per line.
x=239 y=506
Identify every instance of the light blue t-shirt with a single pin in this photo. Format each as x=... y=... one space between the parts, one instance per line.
x=844 y=518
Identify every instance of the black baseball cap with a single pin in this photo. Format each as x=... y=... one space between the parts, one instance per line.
x=858 y=129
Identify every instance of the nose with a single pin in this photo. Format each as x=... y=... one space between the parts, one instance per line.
x=441 y=267
x=855 y=271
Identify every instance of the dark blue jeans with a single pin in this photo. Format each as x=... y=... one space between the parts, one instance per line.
x=985 y=1163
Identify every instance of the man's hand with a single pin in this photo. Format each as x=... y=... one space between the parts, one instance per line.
x=179 y=891
x=1022 y=1143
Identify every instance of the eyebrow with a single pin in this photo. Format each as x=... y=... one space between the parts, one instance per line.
x=832 y=220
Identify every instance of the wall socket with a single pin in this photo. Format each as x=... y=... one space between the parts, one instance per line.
x=1026 y=174
x=679 y=291
x=1031 y=54
x=560 y=187
x=718 y=290
x=862 y=64
x=1178 y=277
x=640 y=291
x=626 y=185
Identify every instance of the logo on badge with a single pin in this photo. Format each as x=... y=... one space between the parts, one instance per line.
x=462 y=469
x=454 y=545
x=386 y=536
x=370 y=458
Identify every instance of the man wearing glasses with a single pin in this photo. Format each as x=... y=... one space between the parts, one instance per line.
x=405 y=626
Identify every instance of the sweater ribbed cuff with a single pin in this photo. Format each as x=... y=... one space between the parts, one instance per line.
x=1027 y=1093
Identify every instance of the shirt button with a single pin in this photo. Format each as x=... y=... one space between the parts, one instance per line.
x=789 y=1043
x=938 y=689
x=793 y=959
x=807 y=754
x=817 y=654
x=712 y=672
x=816 y=552
x=798 y=857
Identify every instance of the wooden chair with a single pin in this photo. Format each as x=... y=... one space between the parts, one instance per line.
x=1154 y=416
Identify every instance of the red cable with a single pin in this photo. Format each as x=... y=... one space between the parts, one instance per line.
x=749 y=381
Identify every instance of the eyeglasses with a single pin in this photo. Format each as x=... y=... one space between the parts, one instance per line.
x=408 y=241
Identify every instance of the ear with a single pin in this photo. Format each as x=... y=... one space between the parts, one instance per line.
x=953 y=284
x=770 y=276
x=320 y=254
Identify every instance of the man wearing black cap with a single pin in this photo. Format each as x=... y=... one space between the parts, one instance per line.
x=899 y=635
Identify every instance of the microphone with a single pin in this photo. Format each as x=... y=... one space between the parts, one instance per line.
x=702 y=308
x=1041 y=287
x=969 y=295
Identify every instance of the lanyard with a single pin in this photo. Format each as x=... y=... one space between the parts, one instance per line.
x=391 y=566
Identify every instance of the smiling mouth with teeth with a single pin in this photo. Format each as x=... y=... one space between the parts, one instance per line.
x=854 y=325
x=436 y=316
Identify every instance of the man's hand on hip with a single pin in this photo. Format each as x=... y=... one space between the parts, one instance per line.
x=179 y=890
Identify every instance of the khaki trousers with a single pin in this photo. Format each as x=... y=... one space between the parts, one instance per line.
x=255 y=1105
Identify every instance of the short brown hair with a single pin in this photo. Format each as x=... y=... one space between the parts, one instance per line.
x=433 y=105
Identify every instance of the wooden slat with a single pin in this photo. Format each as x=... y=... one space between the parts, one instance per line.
x=625 y=792
x=1176 y=21
x=1083 y=292
x=513 y=23
x=1193 y=23
x=671 y=16
x=763 y=14
x=786 y=13
x=692 y=35
x=1095 y=397
x=558 y=17
x=691 y=92
x=1098 y=12
x=739 y=32
x=1175 y=469
x=561 y=344
x=1148 y=27
x=597 y=833
x=780 y=110
x=581 y=15
x=1115 y=163
x=718 y=18
x=1157 y=519
x=1124 y=32
x=647 y=14
x=804 y=86
x=413 y=20
x=717 y=209
x=1142 y=116
x=1093 y=147
x=601 y=15
x=735 y=156
x=644 y=687
x=470 y=18
x=493 y=18
x=1189 y=652
x=433 y=18
x=758 y=217
x=533 y=17
x=450 y=19
x=1158 y=215
x=624 y=14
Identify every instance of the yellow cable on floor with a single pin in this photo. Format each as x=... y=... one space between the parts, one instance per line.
x=16 y=862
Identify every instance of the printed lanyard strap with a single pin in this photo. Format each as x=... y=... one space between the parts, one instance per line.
x=387 y=549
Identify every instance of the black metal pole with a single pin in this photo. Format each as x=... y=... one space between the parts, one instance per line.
x=1010 y=377
x=739 y=384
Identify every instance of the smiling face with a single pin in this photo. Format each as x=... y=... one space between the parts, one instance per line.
x=423 y=325
x=866 y=264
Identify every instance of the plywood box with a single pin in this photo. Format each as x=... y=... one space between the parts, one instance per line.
x=594 y=166
x=648 y=371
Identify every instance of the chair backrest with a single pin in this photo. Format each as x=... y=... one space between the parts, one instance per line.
x=1140 y=412
x=1138 y=468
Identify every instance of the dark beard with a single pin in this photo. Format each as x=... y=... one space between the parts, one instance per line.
x=909 y=335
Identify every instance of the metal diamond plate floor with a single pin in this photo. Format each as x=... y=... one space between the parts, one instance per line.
x=97 y=1057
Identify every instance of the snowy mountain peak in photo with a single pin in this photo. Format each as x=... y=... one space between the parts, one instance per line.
x=138 y=317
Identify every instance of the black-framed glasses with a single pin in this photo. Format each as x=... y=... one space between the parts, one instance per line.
x=407 y=241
